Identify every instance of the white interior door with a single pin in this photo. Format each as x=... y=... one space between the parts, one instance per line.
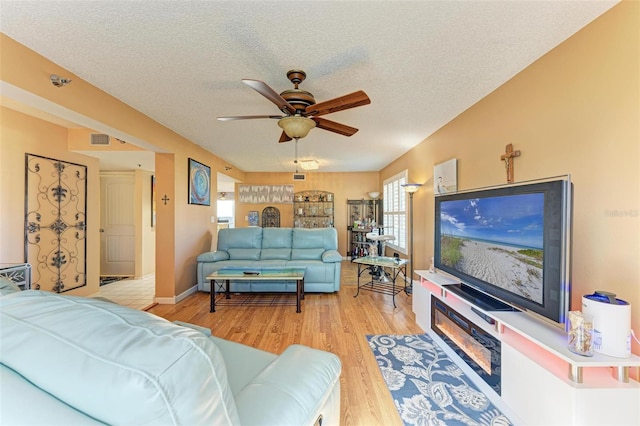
x=117 y=227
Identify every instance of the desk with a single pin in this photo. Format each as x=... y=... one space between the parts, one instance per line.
x=257 y=274
x=391 y=265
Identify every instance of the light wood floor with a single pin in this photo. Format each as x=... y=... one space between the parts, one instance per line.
x=333 y=322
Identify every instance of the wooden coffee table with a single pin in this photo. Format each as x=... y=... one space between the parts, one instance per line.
x=257 y=274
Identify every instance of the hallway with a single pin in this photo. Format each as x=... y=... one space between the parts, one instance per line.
x=134 y=293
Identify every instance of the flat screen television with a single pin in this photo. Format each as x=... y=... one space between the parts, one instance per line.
x=509 y=246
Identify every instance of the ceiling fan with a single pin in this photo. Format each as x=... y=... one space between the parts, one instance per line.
x=301 y=112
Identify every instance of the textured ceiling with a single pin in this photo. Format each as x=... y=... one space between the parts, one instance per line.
x=422 y=63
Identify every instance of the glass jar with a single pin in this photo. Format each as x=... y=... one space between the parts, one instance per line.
x=580 y=334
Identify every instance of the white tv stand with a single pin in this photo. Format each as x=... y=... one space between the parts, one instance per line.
x=542 y=381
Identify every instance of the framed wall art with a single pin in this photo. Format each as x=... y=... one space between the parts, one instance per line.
x=265 y=194
x=199 y=183
x=253 y=218
x=445 y=177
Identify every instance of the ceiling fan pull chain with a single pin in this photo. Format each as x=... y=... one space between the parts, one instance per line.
x=296 y=160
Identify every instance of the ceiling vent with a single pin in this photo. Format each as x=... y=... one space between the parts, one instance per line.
x=299 y=176
x=100 y=139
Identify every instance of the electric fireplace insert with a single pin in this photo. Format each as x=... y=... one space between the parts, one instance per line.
x=479 y=349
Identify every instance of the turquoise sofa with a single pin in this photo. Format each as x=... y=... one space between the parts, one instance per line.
x=254 y=247
x=69 y=360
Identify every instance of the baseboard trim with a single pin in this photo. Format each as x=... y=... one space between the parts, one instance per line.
x=146 y=308
x=175 y=299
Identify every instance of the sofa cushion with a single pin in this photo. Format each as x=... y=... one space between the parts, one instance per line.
x=248 y=362
x=15 y=391
x=310 y=244
x=326 y=238
x=240 y=238
x=275 y=254
x=244 y=254
x=115 y=364
x=241 y=243
x=331 y=256
x=213 y=256
x=307 y=254
x=293 y=386
x=276 y=238
x=276 y=244
x=316 y=271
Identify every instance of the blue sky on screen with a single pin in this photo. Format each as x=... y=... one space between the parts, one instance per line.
x=515 y=220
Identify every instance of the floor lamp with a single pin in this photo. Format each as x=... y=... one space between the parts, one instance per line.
x=411 y=188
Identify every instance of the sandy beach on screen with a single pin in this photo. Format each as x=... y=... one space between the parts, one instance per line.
x=502 y=266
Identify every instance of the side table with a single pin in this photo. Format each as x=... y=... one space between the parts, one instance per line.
x=386 y=281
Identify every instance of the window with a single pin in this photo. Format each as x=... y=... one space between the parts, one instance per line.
x=395 y=215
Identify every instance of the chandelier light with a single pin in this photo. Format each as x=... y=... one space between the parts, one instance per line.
x=309 y=164
x=296 y=126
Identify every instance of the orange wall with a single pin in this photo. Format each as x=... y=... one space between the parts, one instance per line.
x=28 y=71
x=345 y=186
x=80 y=140
x=574 y=111
x=21 y=134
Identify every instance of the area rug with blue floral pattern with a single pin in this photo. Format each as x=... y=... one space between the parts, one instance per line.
x=427 y=387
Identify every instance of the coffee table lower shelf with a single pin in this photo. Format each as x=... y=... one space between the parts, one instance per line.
x=229 y=274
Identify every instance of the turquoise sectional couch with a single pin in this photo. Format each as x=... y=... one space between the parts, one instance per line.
x=68 y=360
x=254 y=247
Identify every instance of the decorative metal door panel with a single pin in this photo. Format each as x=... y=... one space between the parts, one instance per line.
x=55 y=223
x=271 y=217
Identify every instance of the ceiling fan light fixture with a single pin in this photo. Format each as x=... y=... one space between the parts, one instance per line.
x=309 y=165
x=296 y=126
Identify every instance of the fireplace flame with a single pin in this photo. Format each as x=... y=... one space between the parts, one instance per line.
x=476 y=351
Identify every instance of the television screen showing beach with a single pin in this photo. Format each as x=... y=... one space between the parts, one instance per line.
x=496 y=239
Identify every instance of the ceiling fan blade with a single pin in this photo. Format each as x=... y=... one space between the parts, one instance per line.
x=284 y=138
x=248 y=117
x=351 y=100
x=266 y=91
x=332 y=126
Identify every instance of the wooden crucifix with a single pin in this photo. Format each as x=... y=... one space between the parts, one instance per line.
x=508 y=157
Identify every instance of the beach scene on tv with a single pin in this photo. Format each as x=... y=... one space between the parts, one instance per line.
x=496 y=239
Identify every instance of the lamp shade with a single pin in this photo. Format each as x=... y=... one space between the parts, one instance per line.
x=296 y=126
x=374 y=195
x=411 y=187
